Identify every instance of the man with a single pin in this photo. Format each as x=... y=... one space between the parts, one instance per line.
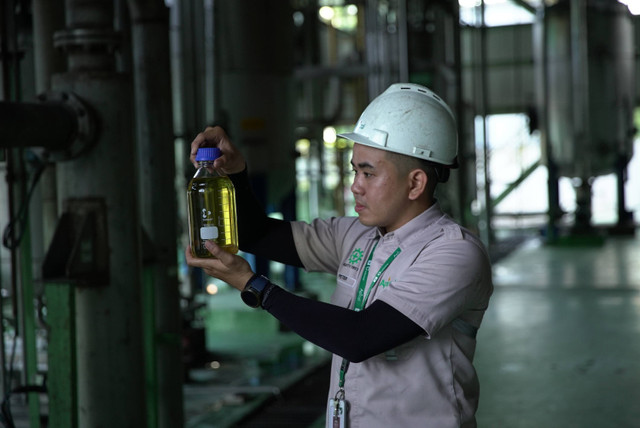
x=412 y=285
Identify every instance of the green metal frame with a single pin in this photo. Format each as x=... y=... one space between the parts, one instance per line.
x=62 y=385
x=150 y=345
x=30 y=354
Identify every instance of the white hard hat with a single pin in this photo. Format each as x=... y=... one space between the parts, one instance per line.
x=411 y=120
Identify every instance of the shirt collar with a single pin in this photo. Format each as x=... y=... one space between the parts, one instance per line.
x=411 y=229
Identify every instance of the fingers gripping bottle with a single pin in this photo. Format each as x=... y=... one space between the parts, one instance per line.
x=211 y=201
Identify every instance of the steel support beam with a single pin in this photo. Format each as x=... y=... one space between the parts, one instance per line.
x=511 y=187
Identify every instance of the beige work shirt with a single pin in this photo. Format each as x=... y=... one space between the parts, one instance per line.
x=441 y=279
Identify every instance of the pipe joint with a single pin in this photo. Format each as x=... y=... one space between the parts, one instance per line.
x=85 y=132
x=88 y=48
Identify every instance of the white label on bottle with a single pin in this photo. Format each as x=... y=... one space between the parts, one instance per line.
x=208 y=232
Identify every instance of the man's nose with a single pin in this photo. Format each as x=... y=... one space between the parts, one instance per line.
x=355 y=186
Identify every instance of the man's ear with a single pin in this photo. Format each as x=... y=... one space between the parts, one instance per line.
x=418 y=180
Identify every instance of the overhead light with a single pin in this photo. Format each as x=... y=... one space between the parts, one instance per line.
x=326 y=13
x=329 y=134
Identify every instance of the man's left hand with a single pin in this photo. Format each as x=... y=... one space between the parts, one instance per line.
x=230 y=268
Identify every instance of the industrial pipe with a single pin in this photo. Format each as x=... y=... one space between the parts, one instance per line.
x=110 y=366
x=156 y=174
x=60 y=123
x=30 y=124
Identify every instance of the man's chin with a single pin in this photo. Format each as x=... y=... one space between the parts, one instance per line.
x=365 y=222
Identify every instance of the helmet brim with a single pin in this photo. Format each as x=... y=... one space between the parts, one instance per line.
x=361 y=139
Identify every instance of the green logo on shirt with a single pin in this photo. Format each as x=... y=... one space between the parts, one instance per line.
x=385 y=284
x=356 y=256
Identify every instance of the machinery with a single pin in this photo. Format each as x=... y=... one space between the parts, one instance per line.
x=586 y=77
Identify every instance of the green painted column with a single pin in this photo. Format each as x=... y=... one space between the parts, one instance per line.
x=62 y=377
x=28 y=329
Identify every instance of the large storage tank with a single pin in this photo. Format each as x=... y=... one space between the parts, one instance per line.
x=588 y=74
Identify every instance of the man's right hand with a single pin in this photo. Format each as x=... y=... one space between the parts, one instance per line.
x=231 y=161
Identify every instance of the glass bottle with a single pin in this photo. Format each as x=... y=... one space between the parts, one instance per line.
x=211 y=201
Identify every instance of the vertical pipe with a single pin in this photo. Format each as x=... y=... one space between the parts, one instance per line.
x=191 y=101
x=541 y=39
x=3 y=368
x=486 y=231
x=62 y=376
x=210 y=76
x=9 y=50
x=21 y=277
x=373 y=48
x=580 y=110
x=157 y=203
x=464 y=198
x=27 y=311
x=190 y=92
x=149 y=296
x=11 y=287
x=108 y=323
x=7 y=155
x=4 y=64
x=257 y=91
x=625 y=218
x=403 y=40
x=48 y=16
x=579 y=79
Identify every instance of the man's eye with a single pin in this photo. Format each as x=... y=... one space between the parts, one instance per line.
x=364 y=174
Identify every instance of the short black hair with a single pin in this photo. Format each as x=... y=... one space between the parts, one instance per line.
x=436 y=173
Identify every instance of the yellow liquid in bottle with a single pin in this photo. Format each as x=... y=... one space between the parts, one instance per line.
x=212 y=215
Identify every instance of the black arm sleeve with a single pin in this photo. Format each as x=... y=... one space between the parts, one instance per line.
x=352 y=335
x=259 y=234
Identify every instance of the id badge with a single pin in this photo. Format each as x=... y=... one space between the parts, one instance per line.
x=337 y=413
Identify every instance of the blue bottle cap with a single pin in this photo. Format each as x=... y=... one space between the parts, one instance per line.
x=208 y=154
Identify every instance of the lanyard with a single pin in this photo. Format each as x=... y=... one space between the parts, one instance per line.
x=361 y=298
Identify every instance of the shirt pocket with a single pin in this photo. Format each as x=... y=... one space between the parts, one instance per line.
x=342 y=296
x=402 y=352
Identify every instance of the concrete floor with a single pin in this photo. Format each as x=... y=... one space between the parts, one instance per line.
x=560 y=344
x=559 y=347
